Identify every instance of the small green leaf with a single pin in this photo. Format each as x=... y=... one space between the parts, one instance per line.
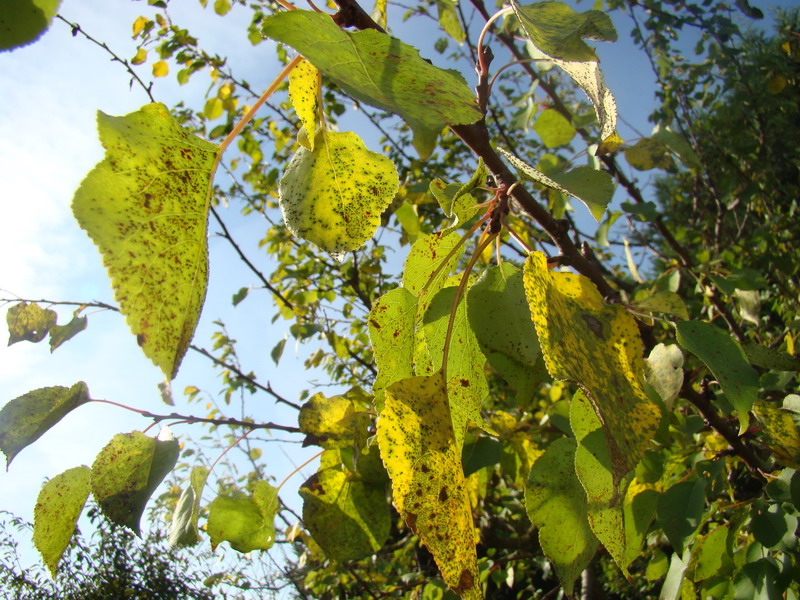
x=24 y=21
x=554 y=129
x=277 y=351
x=680 y=510
x=449 y=21
x=333 y=196
x=146 y=208
x=665 y=302
x=775 y=528
x=25 y=419
x=246 y=522
x=58 y=506
x=710 y=555
x=29 y=322
x=127 y=471
x=720 y=352
x=348 y=519
x=664 y=371
x=183 y=531
x=406 y=215
x=648 y=153
x=62 y=333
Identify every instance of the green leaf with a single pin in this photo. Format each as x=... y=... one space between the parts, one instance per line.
x=710 y=555
x=381 y=71
x=25 y=419
x=183 y=531
x=449 y=21
x=428 y=265
x=664 y=371
x=333 y=196
x=720 y=352
x=557 y=30
x=127 y=471
x=680 y=510
x=348 y=519
x=409 y=220
x=455 y=199
x=145 y=206
x=678 y=145
x=480 y=453
x=596 y=345
x=757 y=581
x=663 y=301
x=556 y=505
x=58 y=506
x=24 y=21
x=593 y=188
x=554 y=129
x=29 y=322
x=277 y=351
x=335 y=422
x=638 y=512
x=770 y=358
x=415 y=435
x=648 y=153
x=62 y=333
x=246 y=522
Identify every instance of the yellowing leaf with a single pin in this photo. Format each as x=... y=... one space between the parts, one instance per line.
x=597 y=346
x=213 y=108
x=58 y=506
x=29 y=322
x=664 y=371
x=428 y=265
x=62 y=333
x=418 y=448
x=304 y=88
x=146 y=208
x=334 y=195
x=335 y=422
x=139 y=25
x=781 y=431
x=140 y=58
x=160 y=69
x=246 y=522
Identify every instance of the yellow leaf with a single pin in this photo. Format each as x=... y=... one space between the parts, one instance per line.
x=597 y=346
x=160 y=69
x=418 y=448
x=139 y=24
x=304 y=89
x=781 y=432
x=141 y=56
x=609 y=144
x=776 y=84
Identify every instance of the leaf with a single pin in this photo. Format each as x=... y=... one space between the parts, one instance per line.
x=774 y=528
x=554 y=129
x=382 y=71
x=417 y=444
x=556 y=505
x=596 y=345
x=304 y=90
x=648 y=153
x=334 y=422
x=638 y=511
x=183 y=530
x=770 y=358
x=749 y=305
x=25 y=419
x=146 y=208
x=62 y=333
x=680 y=510
x=455 y=199
x=781 y=432
x=277 y=351
x=333 y=196
x=348 y=519
x=428 y=265
x=678 y=145
x=557 y=30
x=24 y=21
x=247 y=523
x=710 y=554
x=663 y=301
x=127 y=471
x=664 y=371
x=58 y=506
x=593 y=188
x=720 y=352
x=29 y=322
x=160 y=68
x=448 y=20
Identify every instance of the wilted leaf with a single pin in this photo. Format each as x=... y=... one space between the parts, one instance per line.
x=334 y=195
x=62 y=333
x=127 y=471
x=57 y=509
x=183 y=531
x=24 y=21
x=146 y=208
x=246 y=522
x=25 y=419
x=29 y=322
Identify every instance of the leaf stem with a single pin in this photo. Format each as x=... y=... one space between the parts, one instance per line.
x=297 y=470
x=483 y=65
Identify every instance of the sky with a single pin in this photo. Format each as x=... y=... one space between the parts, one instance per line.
x=51 y=92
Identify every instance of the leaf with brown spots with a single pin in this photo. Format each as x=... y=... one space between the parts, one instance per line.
x=415 y=435
x=335 y=422
x=597 y=346
x=333 y=196
x=29 y=322
x=304 y=90
x=428 y=265
x=146 y=206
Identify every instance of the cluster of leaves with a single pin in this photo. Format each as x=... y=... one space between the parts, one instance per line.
x=557 y=416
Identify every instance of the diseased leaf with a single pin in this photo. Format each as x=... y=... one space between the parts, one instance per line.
x=334 y=195
x=127 y=471
x=25 y=419
x=246 y=522
x=428 y=265
x=554 y=129
x=58 y=506
x=348 y=519
x=145 y=206
x=29 y=322
x=783 y=437
x=556 y=505
x=664 y=371
x=304 y=90
x=62 y=333
x=771 y=358
x=418 y=448
x=720 y=352
x=597 y=346
x=381 y=71
x=183 y=531
x=335 y=422
x=24 y=21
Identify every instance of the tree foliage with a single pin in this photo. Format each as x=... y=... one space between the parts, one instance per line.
x=525 y=406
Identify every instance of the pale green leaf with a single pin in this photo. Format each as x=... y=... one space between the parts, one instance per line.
x=127 y=471
x=664 y=371
x=382 y=71
x=24 y=21
x=183 y=530
x=663 y=301
x=348 y=519
x=648 y=153
x=29 y=322
x=556 y=505
x=417 y=444
x=449 y=21
x=333 y=196
x=428 y=265
x=710 y=554
x=246 y=522
x=58 y=506
x=638 y=511
x=304 y=92
x=749 y=302
x=406 y=215
x=554 y=129
x=62 y=333
x=678 y=146
x=723 y=355
x=146 y=208
x=25 y=419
